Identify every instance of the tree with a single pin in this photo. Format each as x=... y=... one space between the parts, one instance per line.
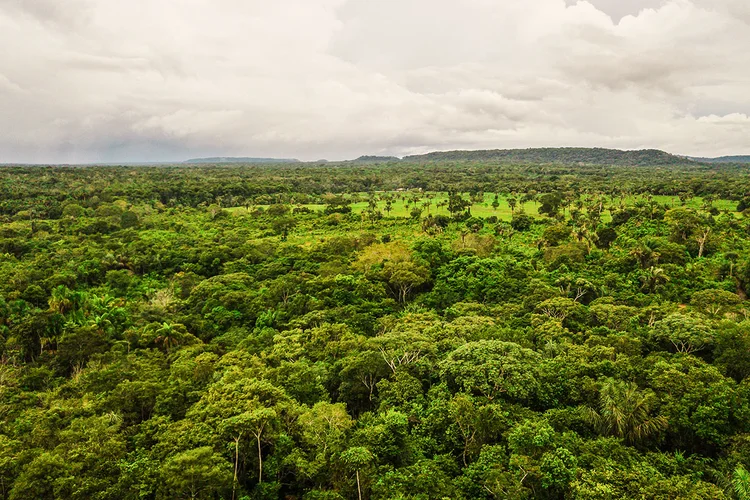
x=77 y=345
x=646 y=253
x=375 y=359
x=169 y=335
x=475 y=423
x=492 y=368
x=239 y=405
x=129 y=219
x=336 y=204
x=653 y=278
x=689 y=226
x=283 y=224
x=605 y=237
x=457 y=204
x=556 y=234
x=435 y=224
x=715 y=302
x=741 y=483
x=39 y=479
x=278 y=210
x=686 y=333
x=559 y=308
x=489 y=477
x=527 y=197
x=558 y=469
x=730 y=349
x=625 y=411
x=73 y=211
x=521 y=222
x=701 y=238
x=396 y=265
x=512 y=203
x=63 y=300
x=82 y=464
x=474 y=224
x=195 y=474
x=360 y=374
x=255 y=419
x=357 y=458
x=402 y=347
x=324 y=427
x=550 y=204
x=215 y=211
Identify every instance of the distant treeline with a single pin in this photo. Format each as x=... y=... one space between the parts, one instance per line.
x=45 y=189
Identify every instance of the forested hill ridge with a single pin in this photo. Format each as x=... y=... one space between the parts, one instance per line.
x=377 y=159
x=724 y=159
x=594 y=156
x=589 y=156
x=232 y=159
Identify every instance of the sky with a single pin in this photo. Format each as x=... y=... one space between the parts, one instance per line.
x=167 y=80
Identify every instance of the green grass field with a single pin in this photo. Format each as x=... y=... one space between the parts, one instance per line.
x=438 y=205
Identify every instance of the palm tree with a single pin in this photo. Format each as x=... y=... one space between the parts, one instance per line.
x=741 y=483
x=581 y=233
x=63 y=300
x=625 y=412
x=641 y=253
x=653 y=278
x=102 y=304
x=167 y=334
x=102 y=323
x=731 y=257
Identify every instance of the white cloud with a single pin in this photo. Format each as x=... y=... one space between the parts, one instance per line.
x=96 y=80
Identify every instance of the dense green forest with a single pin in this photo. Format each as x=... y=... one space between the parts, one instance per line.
x=385 y=330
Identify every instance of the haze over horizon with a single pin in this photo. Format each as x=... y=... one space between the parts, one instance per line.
x=250 y=159
x=104 y=81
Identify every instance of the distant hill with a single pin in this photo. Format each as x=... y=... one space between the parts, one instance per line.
x=724 y=159
x=590 y=156
x=229 y=159
x=594 y=156
x=378 y=159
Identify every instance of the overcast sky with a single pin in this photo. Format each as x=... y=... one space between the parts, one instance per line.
x=137 y=80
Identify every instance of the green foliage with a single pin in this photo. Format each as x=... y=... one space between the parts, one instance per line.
x=558 y=469
x=521 y=222
x=550 y=204
x=556 y=234
x=685 y=333
x=73 y=211
x=492 y=368
x=625 y=412
x=605 y=237
x=402 y=329
x=741 y=483
x=197 y=473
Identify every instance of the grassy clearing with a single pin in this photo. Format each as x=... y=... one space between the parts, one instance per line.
x=437 y=205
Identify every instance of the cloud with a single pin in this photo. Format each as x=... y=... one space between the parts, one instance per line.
x=103 y=80
x=618 y=9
